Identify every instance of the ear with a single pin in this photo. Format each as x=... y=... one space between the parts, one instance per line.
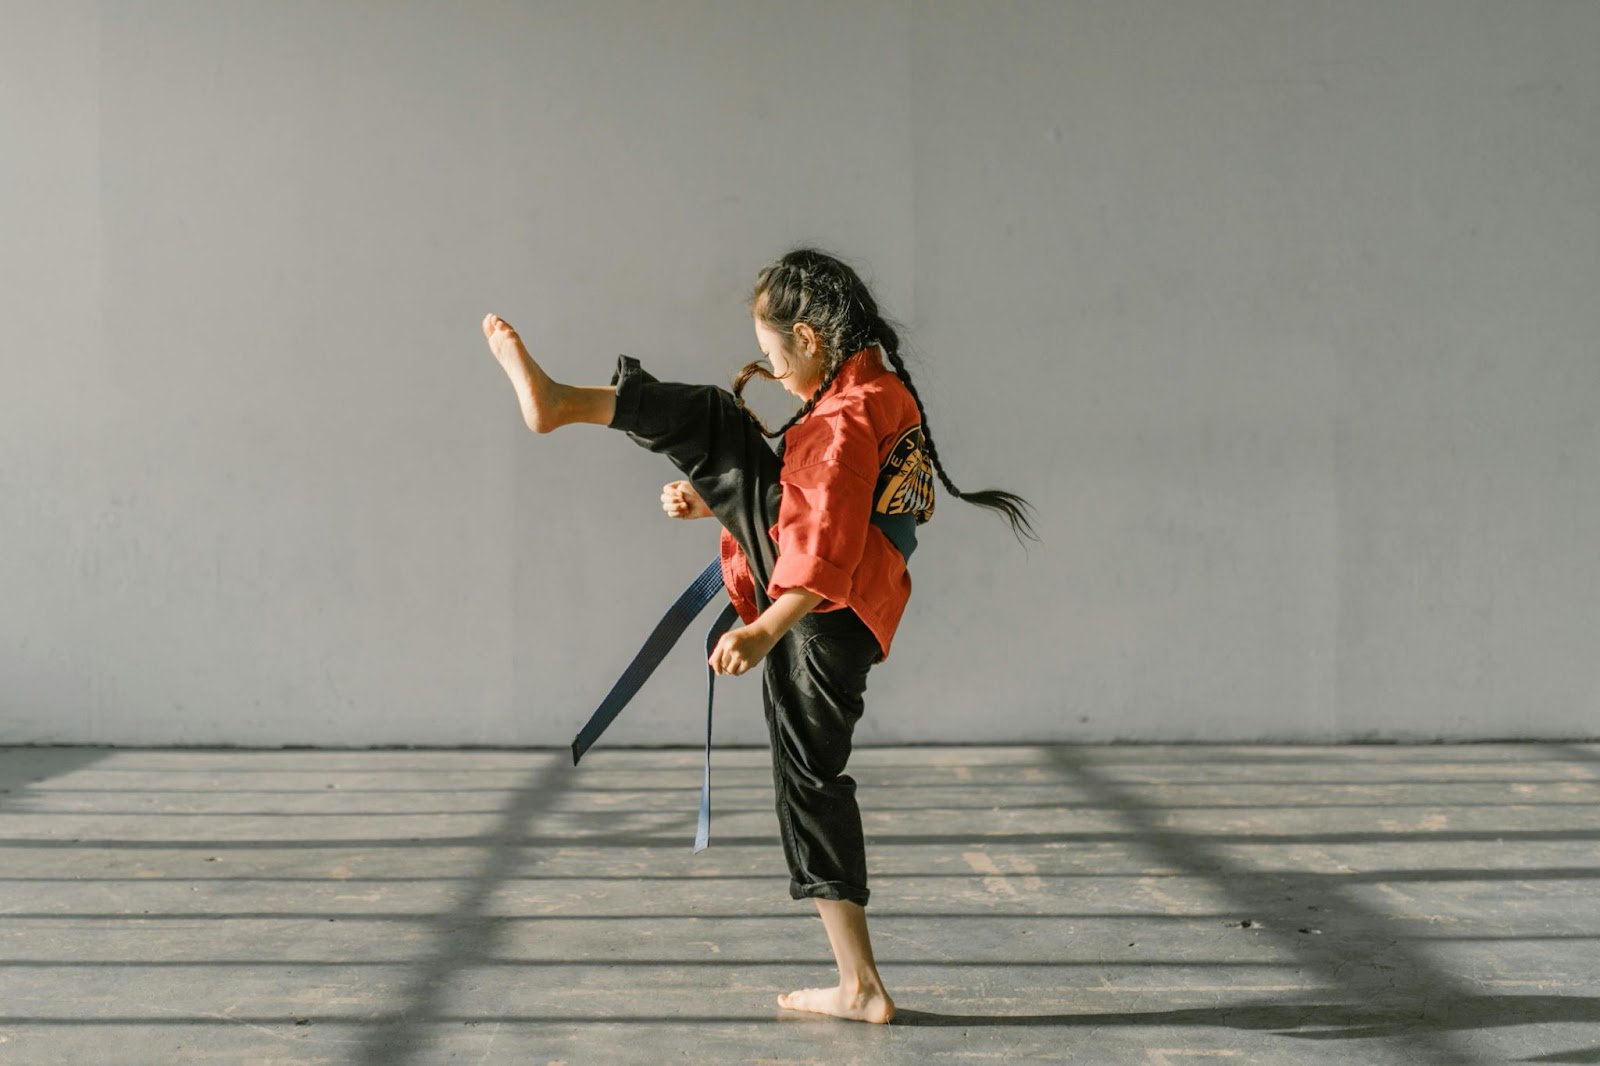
x=806 y=337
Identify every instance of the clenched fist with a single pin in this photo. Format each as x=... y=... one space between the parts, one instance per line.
x=740 y=649
x=679 y=500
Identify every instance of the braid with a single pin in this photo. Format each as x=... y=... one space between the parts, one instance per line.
x=1010 y=505
x=927 y=434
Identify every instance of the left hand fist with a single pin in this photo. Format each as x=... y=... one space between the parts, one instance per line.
x=740 y=649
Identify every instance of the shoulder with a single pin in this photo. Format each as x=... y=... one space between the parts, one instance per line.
x=877 y=393
x=884 y=407
x=840 y=429
x=841 y=433
x=890 y=402
x=852 y=423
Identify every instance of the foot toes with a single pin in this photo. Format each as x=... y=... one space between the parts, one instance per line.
x=494 y=326
x=810 y=999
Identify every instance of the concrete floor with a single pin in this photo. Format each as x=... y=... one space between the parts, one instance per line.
x=1160 y=905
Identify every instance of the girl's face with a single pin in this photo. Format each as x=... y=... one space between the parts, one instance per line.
x=795 y=366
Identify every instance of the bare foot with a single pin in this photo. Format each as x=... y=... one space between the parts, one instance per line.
x=868 y=1005
x=539 y=396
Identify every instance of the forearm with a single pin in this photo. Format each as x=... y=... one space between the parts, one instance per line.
x=740 y=649
x=786 y=610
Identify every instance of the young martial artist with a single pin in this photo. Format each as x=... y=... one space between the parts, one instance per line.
x=815 y=540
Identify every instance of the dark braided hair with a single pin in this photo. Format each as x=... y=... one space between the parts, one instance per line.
x=818 y=289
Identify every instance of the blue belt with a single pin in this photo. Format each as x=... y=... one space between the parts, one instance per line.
x=901 y=531
x=700 y=592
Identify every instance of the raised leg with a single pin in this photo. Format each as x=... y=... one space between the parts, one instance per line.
x=699 y=427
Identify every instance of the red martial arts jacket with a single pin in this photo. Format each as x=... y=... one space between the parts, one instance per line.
x=859 y=452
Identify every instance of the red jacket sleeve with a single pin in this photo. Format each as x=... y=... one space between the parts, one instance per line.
x=828 y=477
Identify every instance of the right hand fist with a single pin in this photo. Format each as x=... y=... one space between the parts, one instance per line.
x=679 y=500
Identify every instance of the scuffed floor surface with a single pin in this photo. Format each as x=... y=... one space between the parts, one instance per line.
x=1171 y=906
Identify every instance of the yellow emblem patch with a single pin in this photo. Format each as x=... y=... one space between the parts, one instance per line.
x=905 y=484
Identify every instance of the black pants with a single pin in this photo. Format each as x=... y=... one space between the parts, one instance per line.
x=815 y=676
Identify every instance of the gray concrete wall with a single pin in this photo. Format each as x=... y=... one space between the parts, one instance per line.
x=1283 y=313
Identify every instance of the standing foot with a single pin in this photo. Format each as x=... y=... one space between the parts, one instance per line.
x=865 y=1005
x=541 y=398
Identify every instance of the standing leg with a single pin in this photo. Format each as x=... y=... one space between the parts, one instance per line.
x=860 y=994
x=813 y=688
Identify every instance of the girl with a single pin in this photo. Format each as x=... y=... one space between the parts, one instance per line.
x=814 y=546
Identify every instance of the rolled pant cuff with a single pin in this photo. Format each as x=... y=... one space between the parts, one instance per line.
x=841 y=891
x=629 y=376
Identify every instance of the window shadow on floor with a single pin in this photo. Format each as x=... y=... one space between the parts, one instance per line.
x=1312 y=1021
x=468 y=933
x=1397 y=990
x=21 y=768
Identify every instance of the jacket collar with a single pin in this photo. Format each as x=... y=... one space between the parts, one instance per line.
x=860 y=368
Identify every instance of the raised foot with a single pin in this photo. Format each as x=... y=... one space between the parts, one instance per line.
x=864 y=1006
x=539 y=397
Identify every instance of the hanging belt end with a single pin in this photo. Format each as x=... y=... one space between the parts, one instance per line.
x=577 y=752
x=702 y=829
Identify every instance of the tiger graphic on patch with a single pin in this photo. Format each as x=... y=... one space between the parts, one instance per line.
x=905 y=483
